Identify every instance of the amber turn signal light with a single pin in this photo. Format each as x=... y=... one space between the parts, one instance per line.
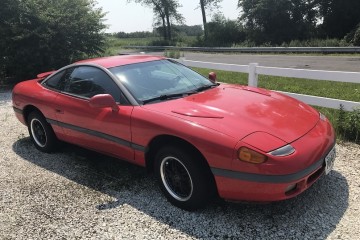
x=247 y=155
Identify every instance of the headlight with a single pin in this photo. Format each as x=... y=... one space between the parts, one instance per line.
x=283 y=151
x=247 y=155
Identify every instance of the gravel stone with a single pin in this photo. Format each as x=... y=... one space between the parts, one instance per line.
x=78 y=194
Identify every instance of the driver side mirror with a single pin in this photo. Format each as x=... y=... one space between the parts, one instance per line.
x=212 y=77
x=103 y=101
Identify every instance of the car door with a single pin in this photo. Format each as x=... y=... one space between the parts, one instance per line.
x=100 y=129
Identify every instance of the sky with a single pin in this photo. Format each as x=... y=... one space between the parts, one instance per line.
x=131 y=17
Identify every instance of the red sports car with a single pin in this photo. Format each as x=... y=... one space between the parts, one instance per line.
x=201 y=138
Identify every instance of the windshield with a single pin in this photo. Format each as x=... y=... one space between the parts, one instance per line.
x=156 y=79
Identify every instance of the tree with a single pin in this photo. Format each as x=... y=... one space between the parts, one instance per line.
x=354 y=36
x=40 y=35
x=277 y=21
x=339 y=17
x=165 y=12
x=195 y=30
x=224 y=32
x=207 y=4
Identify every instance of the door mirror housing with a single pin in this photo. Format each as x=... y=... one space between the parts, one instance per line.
x=212 y=77
x=103 y=101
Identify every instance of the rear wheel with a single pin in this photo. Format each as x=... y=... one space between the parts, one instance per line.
x=182 y=177
x=41 y=133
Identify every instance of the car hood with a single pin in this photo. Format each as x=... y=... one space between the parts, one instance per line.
x=240 y=110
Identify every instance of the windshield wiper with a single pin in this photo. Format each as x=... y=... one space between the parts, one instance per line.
x=165 y=97
x=205 y=87
x=177 y=95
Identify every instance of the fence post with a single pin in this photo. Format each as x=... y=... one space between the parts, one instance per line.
x=181 y=60
x=253 y=76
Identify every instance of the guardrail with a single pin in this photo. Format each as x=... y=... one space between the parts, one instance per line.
x=254 y=70
x=326 y=50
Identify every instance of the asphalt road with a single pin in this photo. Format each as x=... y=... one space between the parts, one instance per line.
x=332 y=63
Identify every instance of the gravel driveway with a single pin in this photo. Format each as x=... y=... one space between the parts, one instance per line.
x=78 y=194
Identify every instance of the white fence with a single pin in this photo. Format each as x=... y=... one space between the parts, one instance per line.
x=254 y=70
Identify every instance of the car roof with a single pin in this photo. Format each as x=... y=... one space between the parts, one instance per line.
x=114 y=61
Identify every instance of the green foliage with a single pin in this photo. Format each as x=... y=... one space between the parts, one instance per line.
x=178 y=31
x=165 y=14
x=207 y=5
x=194 y=30
x=114 y=45
x=341 y=120
x=40 y=35
x=354 y=36
x=317 y=43
x=222 y=32
x=211 y=4
x=297 y=43
x=356 y=39
x=348 y=125
x=143 y=34
x=277 y=21
x=176 y=54
x=339 y=17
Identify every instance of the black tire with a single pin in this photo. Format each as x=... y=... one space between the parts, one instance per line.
x=186 y=182
x=41 y=133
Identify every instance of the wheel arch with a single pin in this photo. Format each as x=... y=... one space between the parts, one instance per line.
x=165 y=140
x=159 y=141
x=28 y=109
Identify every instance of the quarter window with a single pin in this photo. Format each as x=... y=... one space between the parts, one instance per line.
x=54 y=81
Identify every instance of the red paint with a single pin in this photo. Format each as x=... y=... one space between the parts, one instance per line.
x=217 y=122
x=103 y=101
x=45 y=74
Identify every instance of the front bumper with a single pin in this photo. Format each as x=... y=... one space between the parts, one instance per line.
x=282 y=177
x=266 y=188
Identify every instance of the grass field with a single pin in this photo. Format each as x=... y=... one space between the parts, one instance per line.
x=337 y=90
x=347 y=125
x=114 y=45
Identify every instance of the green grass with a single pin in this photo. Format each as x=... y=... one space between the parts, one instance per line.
x=330 y=89
x=346 y=124
x=114 y=45
x=225 y=76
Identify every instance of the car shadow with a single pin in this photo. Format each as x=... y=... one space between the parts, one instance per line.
x=312 y=215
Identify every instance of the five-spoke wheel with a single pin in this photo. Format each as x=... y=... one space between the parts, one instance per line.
x=176 y=179
x=183 y=177
x=41 y=132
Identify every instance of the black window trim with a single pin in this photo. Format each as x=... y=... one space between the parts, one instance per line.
x=127 y=95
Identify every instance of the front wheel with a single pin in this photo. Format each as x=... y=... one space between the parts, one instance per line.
x=41 y=133
x=183 y=178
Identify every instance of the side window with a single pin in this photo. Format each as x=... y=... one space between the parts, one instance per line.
x=55 y=81
x=88 y=81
